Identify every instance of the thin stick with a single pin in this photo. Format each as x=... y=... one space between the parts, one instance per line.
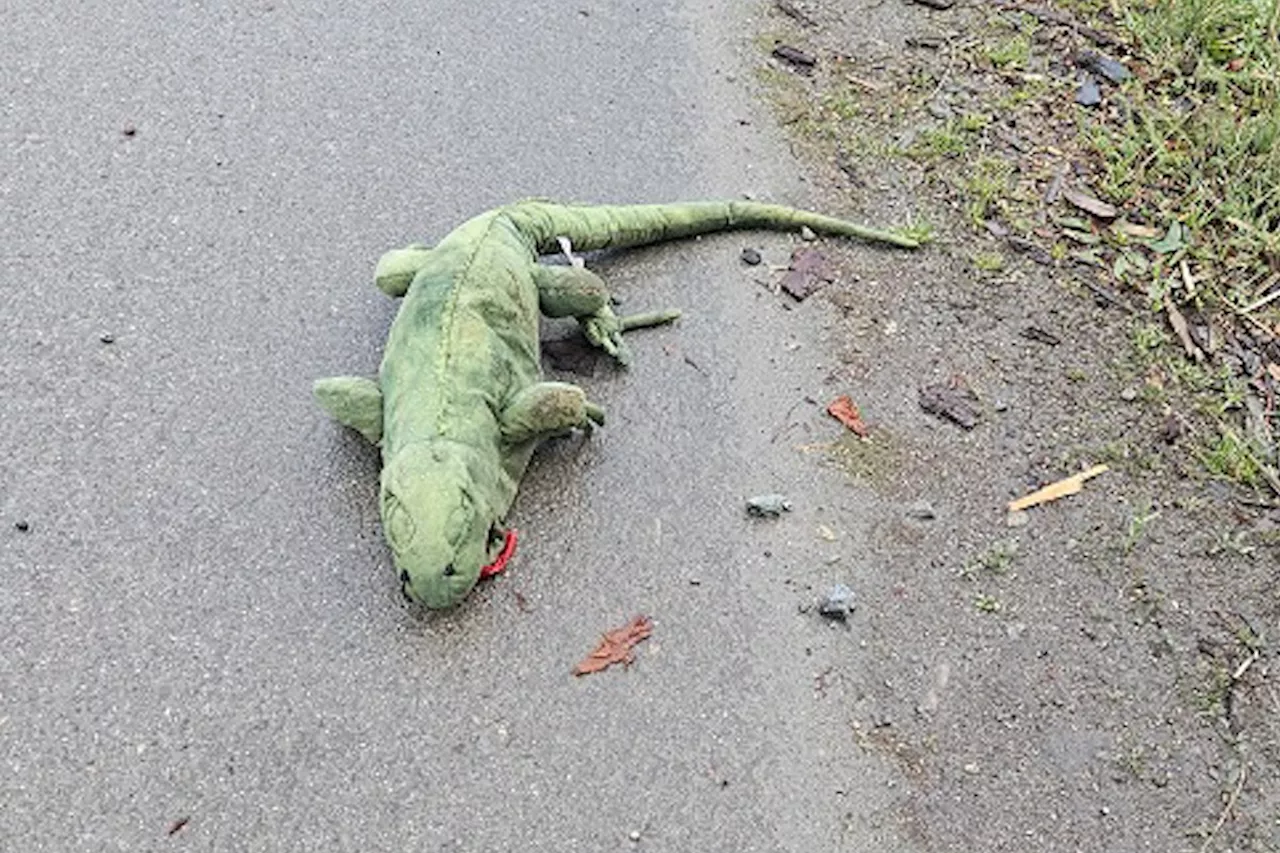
x=1231 y=804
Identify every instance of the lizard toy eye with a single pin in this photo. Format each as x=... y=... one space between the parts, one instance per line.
x=450 y=571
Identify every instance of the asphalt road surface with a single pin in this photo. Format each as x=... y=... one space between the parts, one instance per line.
x=204 y=646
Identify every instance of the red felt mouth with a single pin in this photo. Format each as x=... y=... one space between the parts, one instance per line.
x=500 y=562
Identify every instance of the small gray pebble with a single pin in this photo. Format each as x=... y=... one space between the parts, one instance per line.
x=23 y=526
x=1129 y=395
x=751 y=257
x=806 y=233
x=108 y=338
x=1089 y=95
x=838 y=603
x=768 y=506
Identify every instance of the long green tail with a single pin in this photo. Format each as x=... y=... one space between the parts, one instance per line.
x=591 y=227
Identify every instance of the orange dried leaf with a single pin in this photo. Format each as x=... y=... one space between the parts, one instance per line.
x=616 y=646
x=844 y=410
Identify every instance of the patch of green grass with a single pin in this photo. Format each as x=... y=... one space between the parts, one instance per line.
x=988 y=261
x=1008 y=54
x=1232 y=457
x=987 y=603
x=938 y=142
x=1199 y=141
x=1142 y=517
x=996 y=560
x=988 y=185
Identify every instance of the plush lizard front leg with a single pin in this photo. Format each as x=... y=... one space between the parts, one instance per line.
x=575 y=291
x=546 y=409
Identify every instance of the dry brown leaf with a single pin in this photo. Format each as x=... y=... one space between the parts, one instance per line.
x=844 y=410
x=1068 y=486
x=616 y=646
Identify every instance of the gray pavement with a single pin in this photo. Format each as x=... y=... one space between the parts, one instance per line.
x=202 y=631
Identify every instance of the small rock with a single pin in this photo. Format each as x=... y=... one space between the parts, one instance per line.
x=1089 y=95
x=1103 y=66
x=1017 y=518
x=634 y=835
x=838 y=602
x=806 y=233
x=768 y=506
x=1129 y=394
x=107 y=338
x=937 y=4
x=22 y=525
x=940 y=110
x=129 y=130
x=751 y=257
x=971 y=768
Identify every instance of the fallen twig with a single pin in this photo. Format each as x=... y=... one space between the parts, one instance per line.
x=1061 y=489
x=1062 y=19
x=1226 y=812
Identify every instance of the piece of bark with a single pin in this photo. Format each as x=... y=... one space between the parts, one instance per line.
x=1094 y=206
x=955 y=402
x=808 y=272
x=797 y=57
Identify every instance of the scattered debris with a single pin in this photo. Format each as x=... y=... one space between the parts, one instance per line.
x=768 y=506
x=1089 y=95
x=1104 y=67
x=129 y=130
x=107 y=338
x=22 y=525
x=953 y=401
x=1034 y=333
x=837 y=603
x=1062 y=19
x=937 y=4
x=178 y=824
x=616 y=647
x=1179 y=324
x=826 y=533
x=751 y=257
x=844 y=410
x=808 y=272
x=1062 y=488
x=1174 y=428
x=803 y=61
x=807 y=234
x=1031 y=249
x=925 y=42
x=1093 y=206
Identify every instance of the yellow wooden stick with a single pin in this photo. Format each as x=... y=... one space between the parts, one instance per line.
x=1068 y=486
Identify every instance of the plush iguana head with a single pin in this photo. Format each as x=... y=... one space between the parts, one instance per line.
x=441 y=536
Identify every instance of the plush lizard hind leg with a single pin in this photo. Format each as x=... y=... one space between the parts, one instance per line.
x=576 y=291
x=547 y=409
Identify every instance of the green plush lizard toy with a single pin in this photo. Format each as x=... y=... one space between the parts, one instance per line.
x=460 y=404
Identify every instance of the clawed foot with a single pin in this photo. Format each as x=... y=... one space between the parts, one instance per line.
x=604 y=329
